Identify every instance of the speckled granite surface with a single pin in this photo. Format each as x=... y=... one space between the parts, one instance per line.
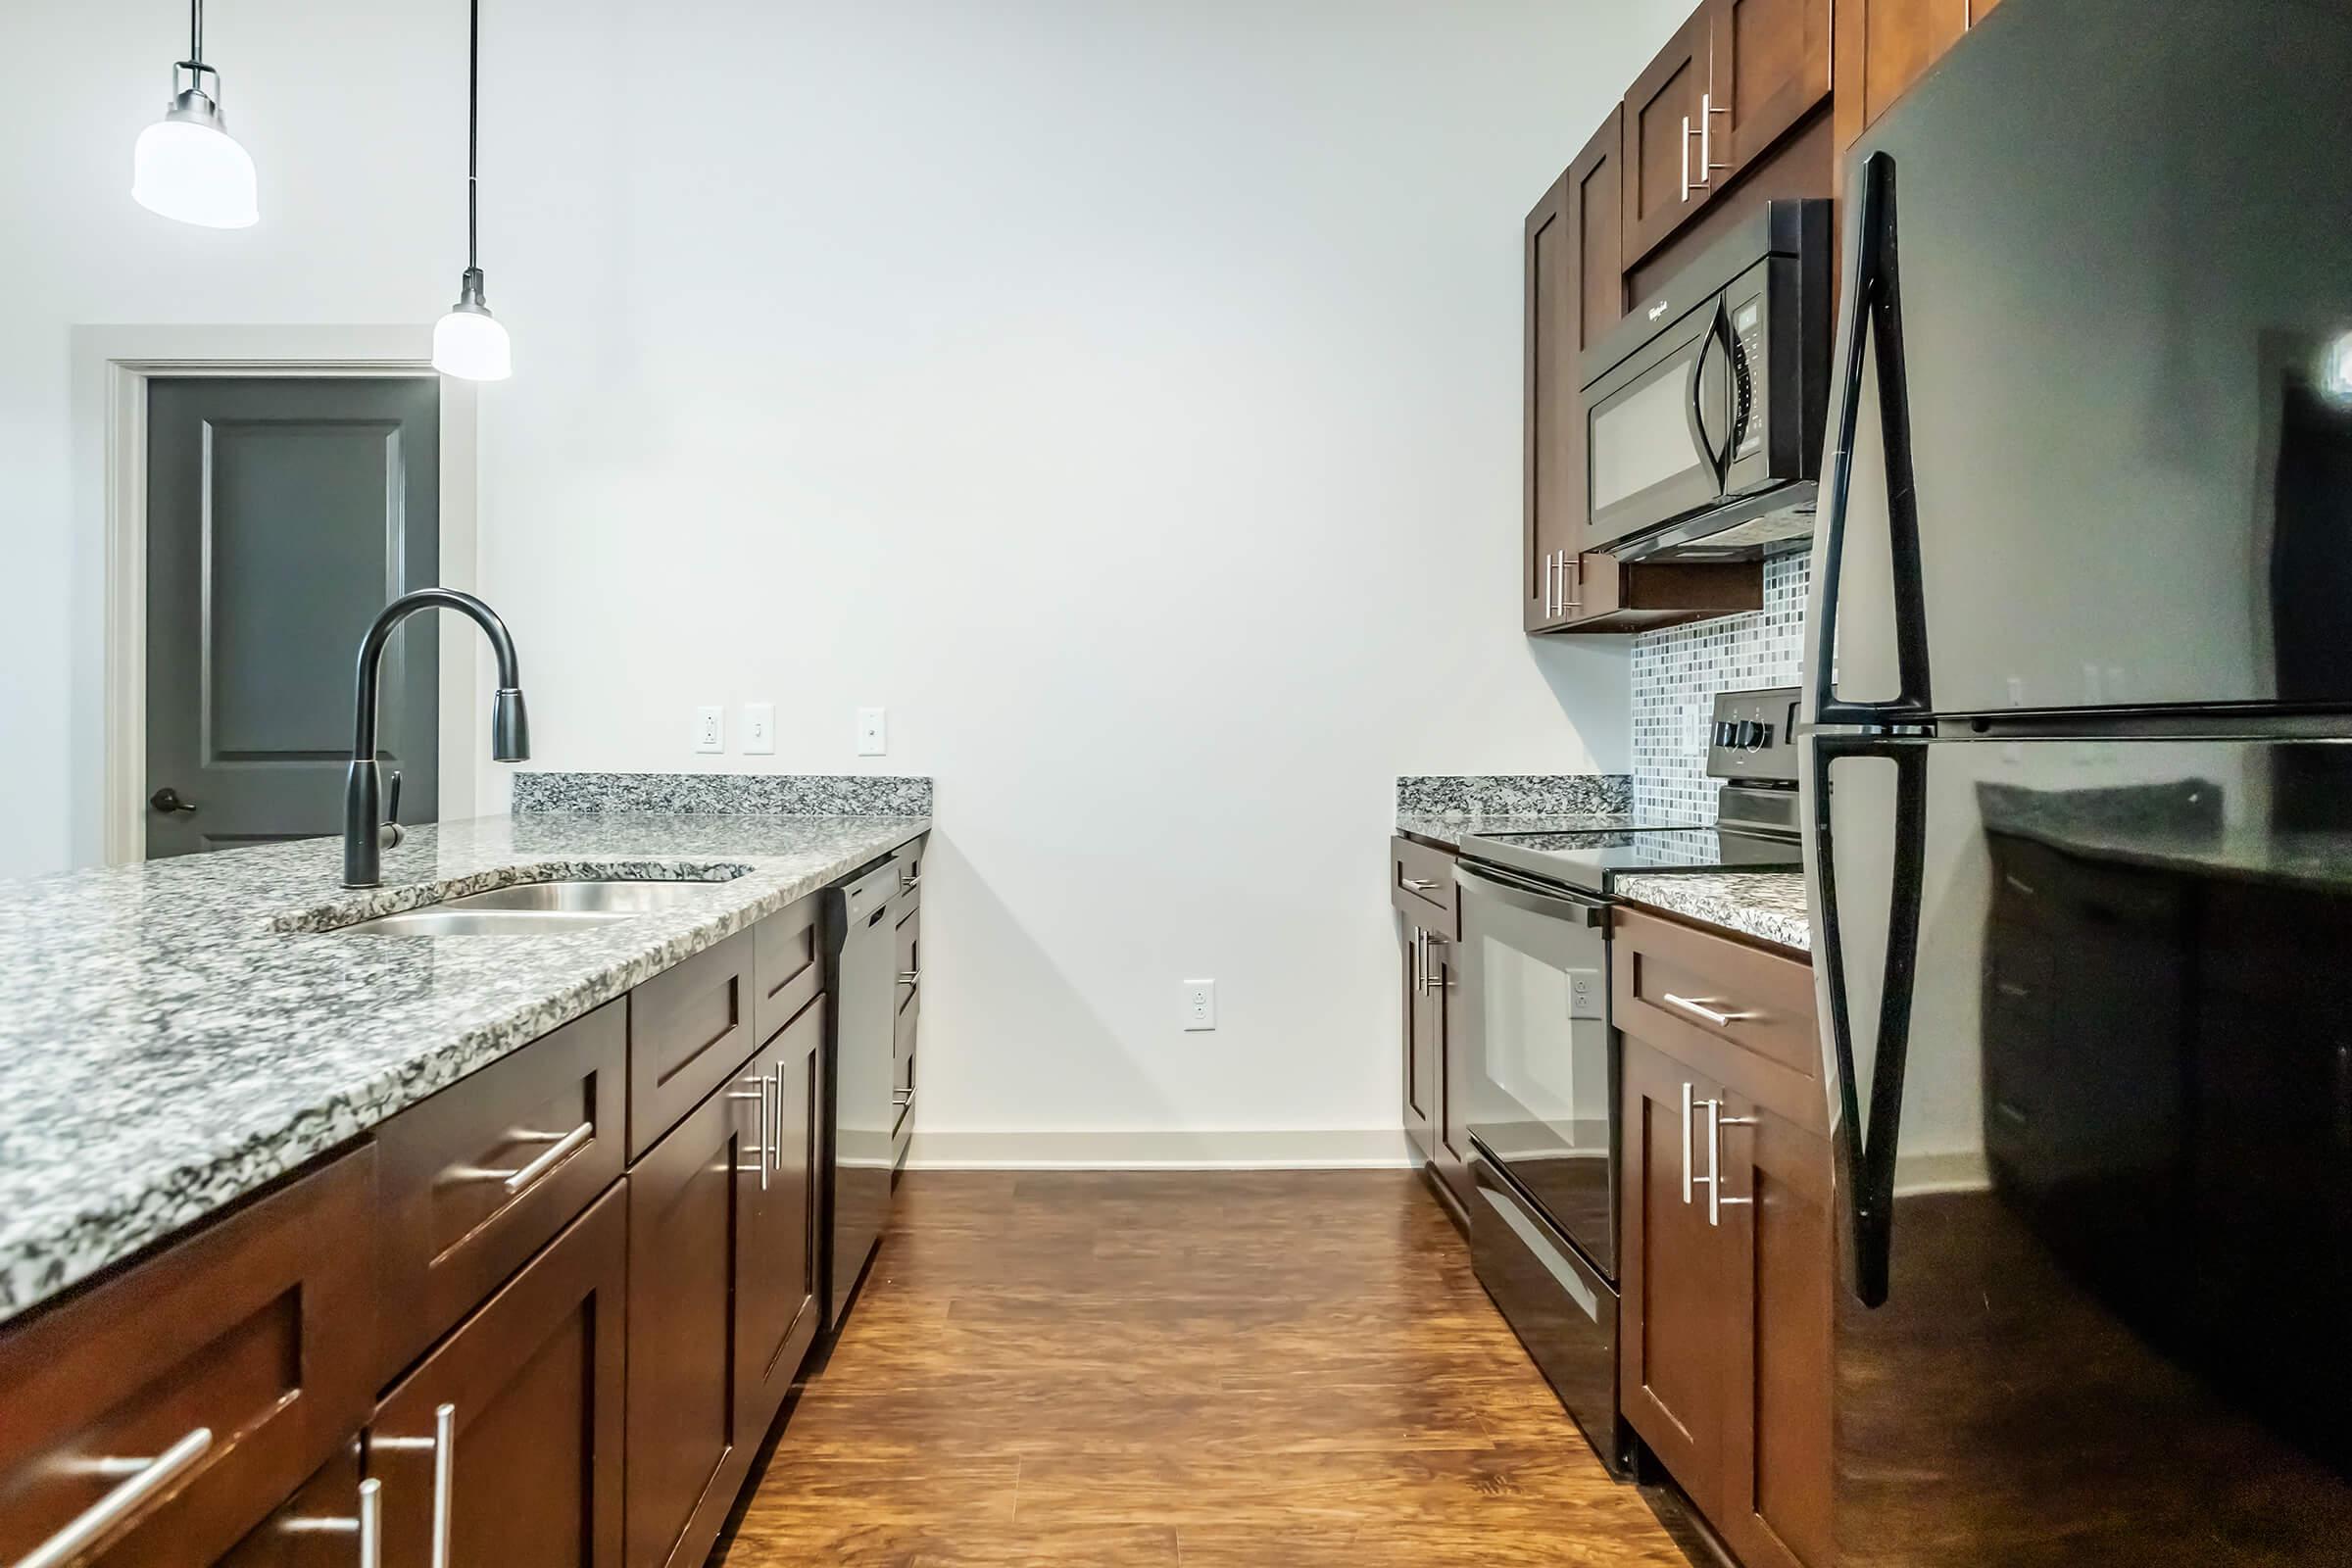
x=1450 y=831
x=175 y=1034
x=701 y=794
x=1514 y=795
x=1769 y=905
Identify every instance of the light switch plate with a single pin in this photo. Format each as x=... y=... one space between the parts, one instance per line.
x=1200 y=1005
x=871 y=740
x=711 y=728
x=759 y=730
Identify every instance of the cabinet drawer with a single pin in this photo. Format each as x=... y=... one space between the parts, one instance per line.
x=1739 y=1014
x=910 y=861
x=689 y=1028
x=316 y=1527
x=475 y=1179
x=234 y=1362
x=788 y=963
x=1421 y=884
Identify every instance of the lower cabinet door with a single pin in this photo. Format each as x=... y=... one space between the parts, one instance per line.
x=1672 y=1279
x=693 y=1206
x=1420 y=1097
x=318 y=1527
x=776 y=1293
x=1777 y=1235
x=508 y=1435
x=1449 y=1127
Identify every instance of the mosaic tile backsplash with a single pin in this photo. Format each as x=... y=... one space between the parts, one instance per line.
x=1676 y=673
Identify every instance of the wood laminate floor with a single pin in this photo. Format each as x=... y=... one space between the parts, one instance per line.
x=1256 y=1369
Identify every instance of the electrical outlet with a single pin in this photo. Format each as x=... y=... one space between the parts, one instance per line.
x=759 y=730
x=1200 y=1005
x=711 y=728
x=1586 y=993
x=870 y=742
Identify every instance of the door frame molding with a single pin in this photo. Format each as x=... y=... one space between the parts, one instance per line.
x=112 y=367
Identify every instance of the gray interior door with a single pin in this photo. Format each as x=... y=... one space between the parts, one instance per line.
x=281 y=516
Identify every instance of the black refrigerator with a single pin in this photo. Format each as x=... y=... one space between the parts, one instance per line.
x=2078 y=812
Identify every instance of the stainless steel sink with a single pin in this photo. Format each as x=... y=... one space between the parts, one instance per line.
x=533 y=908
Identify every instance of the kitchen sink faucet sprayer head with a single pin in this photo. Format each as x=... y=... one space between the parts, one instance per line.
x=365 y=834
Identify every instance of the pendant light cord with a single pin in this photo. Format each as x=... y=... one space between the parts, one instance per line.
x=473 y=130
x=195 y=32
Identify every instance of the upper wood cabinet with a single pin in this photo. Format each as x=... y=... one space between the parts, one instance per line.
x=1575 y=292
x=1729 y=86
x=1769 y=68
x=1666 y=168
x=1884 y=46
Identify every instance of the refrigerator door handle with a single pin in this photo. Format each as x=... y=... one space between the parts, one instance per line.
x=1866 y=1139
x=1876 y=301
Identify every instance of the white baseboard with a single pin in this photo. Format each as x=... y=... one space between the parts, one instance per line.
x=1316 y=1148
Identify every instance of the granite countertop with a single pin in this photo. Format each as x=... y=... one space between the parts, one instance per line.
x=1768 y=905
x=177 y=1033
x=1447 y=829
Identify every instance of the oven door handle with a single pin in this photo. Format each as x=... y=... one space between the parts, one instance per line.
x=1555 y=905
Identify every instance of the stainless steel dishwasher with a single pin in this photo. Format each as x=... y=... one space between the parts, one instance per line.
x=859 y=1069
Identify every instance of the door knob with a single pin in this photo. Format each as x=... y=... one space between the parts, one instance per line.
x=167 y=800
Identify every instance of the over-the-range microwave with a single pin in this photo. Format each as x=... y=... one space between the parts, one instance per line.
x=1704 y=408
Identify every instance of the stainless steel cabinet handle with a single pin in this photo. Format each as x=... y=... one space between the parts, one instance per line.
x=1708 y=167
x=1420 y=963
x=444 y=1445
x=908 y=884
x=760 y=1131
x=142 y=1479
x=1571 y=572
x=556 y=1153
x=1685 y=157
x=1699 y=1010
x=907 y=977
x=369 y=1526
x=1419 y=884
x=1717 y=1121
x=901 y=1097
x=1686 y=1108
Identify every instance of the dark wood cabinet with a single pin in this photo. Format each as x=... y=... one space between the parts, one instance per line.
x=1728 y=1263
x=689 y=1027
x=1575 y=291
x=1674 y=1349
x=1423 y=1053
x=694 y=1205
x=1667 y=169
x=478 y=1177
x=1774 y=1505
x=509 y=1434
x=1884 y=46
x=232 y=1365
x=1769 y=69
x=777 y=1259
x=318 y=1527
x=1603 y=594
x=1421 y=888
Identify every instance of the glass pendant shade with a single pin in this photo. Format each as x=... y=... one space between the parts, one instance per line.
x=2335 y=369
x=468 y=342
x=187 y=166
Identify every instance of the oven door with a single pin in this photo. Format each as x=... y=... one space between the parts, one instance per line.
x=1659 y=427
x=1539 y=1083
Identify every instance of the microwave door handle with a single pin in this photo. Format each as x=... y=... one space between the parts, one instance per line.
x=1700 y=435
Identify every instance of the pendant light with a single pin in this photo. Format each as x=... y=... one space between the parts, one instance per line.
x=468 y=342
x=186 y=164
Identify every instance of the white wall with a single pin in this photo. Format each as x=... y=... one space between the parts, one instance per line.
x=1126 y=395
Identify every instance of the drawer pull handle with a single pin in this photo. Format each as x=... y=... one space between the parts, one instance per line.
x=369 y=1526
x=562 y=1149
x=908 y=884
x=1699 y=1010
x=907 y=977
x=444 y=1445
x=1418 y=885
x=145 y=1479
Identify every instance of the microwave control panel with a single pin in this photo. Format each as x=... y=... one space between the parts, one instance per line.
x=1748 y=377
